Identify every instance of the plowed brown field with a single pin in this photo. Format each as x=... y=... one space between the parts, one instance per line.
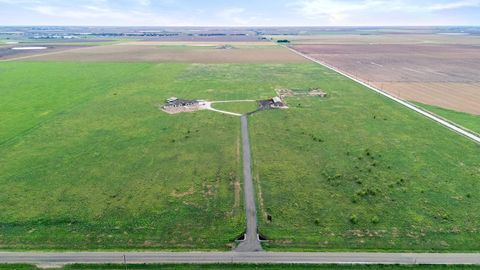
x=174 y=53
x=443 y=75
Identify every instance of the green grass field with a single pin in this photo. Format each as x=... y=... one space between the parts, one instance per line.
x=356 y=171
x=88 y=161
x=466 y=120
x=249 y=267
x=236 y=107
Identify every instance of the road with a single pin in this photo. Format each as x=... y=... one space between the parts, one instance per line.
x=251 y=242
x=53 y=259
x=427 y=114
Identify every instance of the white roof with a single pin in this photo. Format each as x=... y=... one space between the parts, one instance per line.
x=276 y=100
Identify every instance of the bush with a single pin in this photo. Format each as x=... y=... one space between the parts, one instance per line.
x=354 y=219
x=375 y=220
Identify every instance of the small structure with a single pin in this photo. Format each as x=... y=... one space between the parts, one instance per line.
x=277 y=102
x=317 y=93
x=311 y=92
x=172 y=99
x=273 y=103
x=175 y=105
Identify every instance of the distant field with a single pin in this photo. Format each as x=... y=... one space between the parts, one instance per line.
x=442 y=75
x=379 y=38
x=7 y=53
x=466 y=120
x=356 y=171
x=209 y=53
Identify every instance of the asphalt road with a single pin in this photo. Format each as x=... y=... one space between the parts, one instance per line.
x=52 y=259
x=251 y=243
x=427 y=114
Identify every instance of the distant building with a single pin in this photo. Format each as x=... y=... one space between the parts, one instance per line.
x=172 y=99
x=272 y=103
x=175 y=102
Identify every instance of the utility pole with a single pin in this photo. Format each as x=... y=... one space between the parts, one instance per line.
x=125 y=261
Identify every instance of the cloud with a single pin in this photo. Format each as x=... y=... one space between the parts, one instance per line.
x=336 y=10
x=103 y=15
x=455 y=5
x=339 y=10
x=144 y=3
x=237 y=16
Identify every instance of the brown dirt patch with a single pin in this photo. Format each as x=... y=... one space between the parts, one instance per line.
x=443 y=75
x=187 y=54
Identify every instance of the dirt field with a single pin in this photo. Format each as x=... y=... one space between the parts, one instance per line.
x=443 y=75
x=6 y=51
x=176 y=53
x=382 y=39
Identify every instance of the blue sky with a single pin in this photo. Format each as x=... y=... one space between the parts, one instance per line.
x=240 y=13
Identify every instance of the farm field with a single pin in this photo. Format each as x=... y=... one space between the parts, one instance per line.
x=90 y=162
x=108 y=170
x=7 y=52
x=355 y=171
x=469 y=121
x=355 y=38
x=444 y=75
x=208 y=53
x=249 y=267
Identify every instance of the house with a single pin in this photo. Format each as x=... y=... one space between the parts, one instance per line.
x=277 y=102
x=172 y=99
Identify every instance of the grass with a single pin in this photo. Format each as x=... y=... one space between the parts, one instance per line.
x=466 y=120
x=356 y=171
x=88 y=161
x=250 y=267
x=236 y=107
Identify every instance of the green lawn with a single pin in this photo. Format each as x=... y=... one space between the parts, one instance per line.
x=466 y=120
x=250 y=267
x=356 y=171
x=236 y=107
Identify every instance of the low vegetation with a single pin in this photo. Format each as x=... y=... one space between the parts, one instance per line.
x=356 y=171
x=88 y=161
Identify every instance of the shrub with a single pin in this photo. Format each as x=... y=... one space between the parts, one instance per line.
x=354 y=219
x=375 y=220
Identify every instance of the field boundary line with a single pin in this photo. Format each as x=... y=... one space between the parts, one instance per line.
x=448 y=124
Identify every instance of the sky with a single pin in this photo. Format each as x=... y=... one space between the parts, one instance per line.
x=240 y=12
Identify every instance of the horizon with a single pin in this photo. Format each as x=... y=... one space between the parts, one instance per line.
x=234 y=13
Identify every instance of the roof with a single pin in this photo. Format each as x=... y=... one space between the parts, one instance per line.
x=277 y=100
